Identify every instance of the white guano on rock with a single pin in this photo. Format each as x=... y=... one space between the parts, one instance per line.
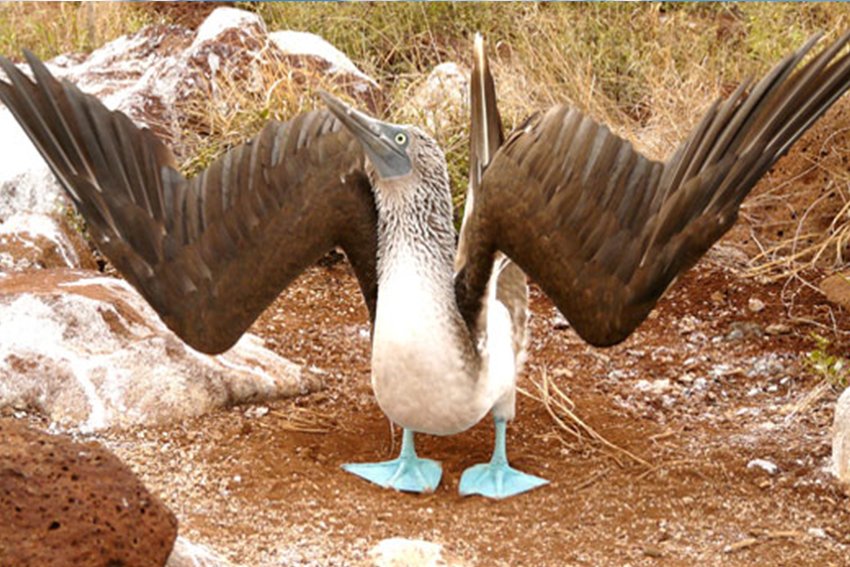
x=87 y=352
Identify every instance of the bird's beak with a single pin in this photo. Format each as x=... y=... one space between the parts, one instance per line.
x=389 y=158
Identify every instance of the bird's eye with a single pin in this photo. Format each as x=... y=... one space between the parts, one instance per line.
x=400 y=139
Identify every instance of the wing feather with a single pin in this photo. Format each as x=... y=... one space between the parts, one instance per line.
x=208 y=253
x=603 y=230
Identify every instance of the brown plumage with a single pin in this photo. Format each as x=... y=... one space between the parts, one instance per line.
x=210 y=253
x=603 y=230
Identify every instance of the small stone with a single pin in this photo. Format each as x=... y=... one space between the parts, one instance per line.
x=765 y=465
x=688 y=324
x=559 y=322
x=562 y=372
x=744 y=329
x=755 y=305
x=656 y=387
x=652 y=551
x=188 y=554
x=401 y=552
x=777 y=329
x=686 y=378
x=256 y=412
x=817 y=532
x=735 y=335
x=837 y=289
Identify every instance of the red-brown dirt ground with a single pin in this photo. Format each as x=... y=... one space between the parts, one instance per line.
x=696 y=404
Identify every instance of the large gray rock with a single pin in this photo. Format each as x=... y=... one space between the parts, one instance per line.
x=67 y=503
x=841 y=438
x=87 y=351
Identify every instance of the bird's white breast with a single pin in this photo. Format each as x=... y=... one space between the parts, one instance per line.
x=419 y=374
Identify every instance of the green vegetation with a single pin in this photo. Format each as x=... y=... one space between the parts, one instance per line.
x=833 y=369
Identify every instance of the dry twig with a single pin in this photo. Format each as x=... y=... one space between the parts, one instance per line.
x=560 y=408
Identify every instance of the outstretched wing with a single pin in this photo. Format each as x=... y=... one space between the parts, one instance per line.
x=210 y=253
x=603 y=230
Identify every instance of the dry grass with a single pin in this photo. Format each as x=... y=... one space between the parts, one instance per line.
x=227 y=111
x=51 y=28
x=562 y=411
x=646 y=70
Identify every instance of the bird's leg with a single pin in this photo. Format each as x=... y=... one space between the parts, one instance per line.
x=408 y=472
x=497 y=479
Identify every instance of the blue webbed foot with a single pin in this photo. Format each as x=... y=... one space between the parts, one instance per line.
x=497 y=479
x=404 y=473
x=407 y=473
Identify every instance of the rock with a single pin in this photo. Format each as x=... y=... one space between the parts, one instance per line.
x=755 y=304
x=841 y=438
x=744 y=330
x=656 y=387
x=443 y=98
x=256 y=412
x=767 y=466
x=837 y=289
x=113 y=73
x=188 y=554
x=30 y=240
x=686 y=378
x=75 y=504
x=777 y=329
x=332 y=60
x=558 y=321
x=26 y=183
x=87 y=351
x=401 y=552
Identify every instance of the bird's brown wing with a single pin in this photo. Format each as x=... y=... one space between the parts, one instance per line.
x=212 y=252
x=603 y=230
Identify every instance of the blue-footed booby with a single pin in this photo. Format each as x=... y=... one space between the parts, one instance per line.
x=600 y=228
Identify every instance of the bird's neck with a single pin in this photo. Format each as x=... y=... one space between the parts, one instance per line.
x=416 y=234
x=416 y=247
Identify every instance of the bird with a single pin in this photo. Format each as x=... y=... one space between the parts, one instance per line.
x=601 y=229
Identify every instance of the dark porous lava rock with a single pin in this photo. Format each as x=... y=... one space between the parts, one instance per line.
x=64 y=503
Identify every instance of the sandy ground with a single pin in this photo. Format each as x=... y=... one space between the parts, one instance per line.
x=697 y=395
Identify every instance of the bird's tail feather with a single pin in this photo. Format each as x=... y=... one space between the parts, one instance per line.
x=485 y=133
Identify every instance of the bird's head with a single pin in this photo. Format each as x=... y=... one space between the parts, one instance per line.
x=397 y=155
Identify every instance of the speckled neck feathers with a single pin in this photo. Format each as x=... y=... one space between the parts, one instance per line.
x=415 y=222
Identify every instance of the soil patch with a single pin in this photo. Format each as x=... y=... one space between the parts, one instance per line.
x=701 y=392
